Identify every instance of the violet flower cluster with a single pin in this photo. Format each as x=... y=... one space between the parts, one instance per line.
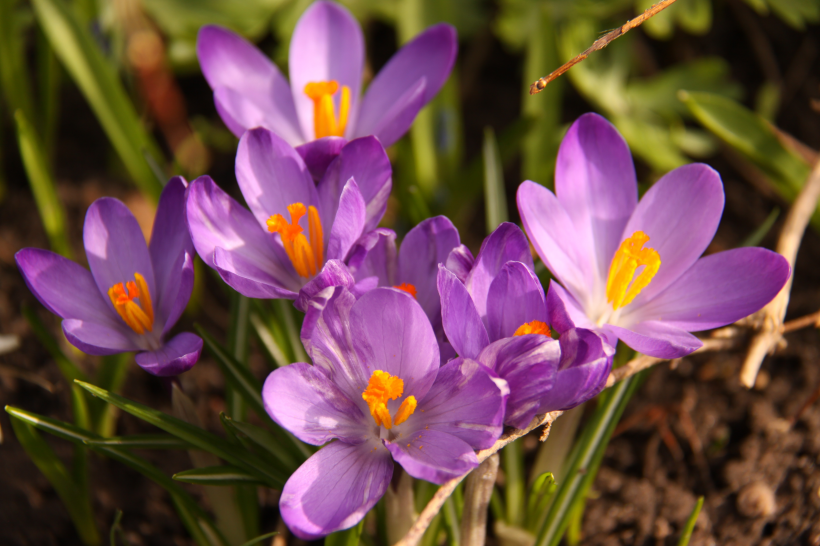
x=420 y=353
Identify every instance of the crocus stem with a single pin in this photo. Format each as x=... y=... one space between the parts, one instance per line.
x=477 y=493
x=513 y=460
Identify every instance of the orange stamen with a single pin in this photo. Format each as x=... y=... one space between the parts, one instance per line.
x=534 y=327
x=306 y=256
x=324 y=115
x=407 y=287
x=139 y=317
x=381 y=388
x=621 y=289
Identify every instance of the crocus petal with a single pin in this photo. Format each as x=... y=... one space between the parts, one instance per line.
x=64 y=287
x=319 y=154
x=393 y=334
x=172 y=253
x=553 y=235
x=680 y=214
x=460 y=262
x=461 y=322
x=334 y=273
x=657 y=339
x=425 y=247
x=256 y=87
x=430 y=56
x=433 y=456
x=327 y=44
x=99 y=339
x=245 y=275
x=467 y=400
x=348 y=223
x=507 y=243
x=529 y=364
x=585 y=365
x=174 y=357
x=303 y=400
x=595 y=183
x=216 y=220
x=335 y=488
x=565 y=313
x=719 y=289
x=397 y=120
x=375 y=255
x=515 y=297
x=364 y=160
x=272 y=175
x=115 y=246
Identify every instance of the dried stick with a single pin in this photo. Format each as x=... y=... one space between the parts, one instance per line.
x=771 y=330
x=477 y=492
x=601 y=43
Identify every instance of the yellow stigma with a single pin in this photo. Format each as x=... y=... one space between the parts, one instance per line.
x=534 y=327
x=324 y=112
x=381 y=388
x=306 y=256
x=138 y=317
x=621 y=289
x=407 y=287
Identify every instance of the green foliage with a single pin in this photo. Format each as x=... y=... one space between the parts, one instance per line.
x=686 y=535
x=797 y=13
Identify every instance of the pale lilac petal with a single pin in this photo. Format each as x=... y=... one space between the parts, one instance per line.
x=680 y=214
x=245 y=275
x=467 y=400
x=529 y=364
x=327 y=44
x=657 y=339
x=64 y=287
x=115 y=246
x=395 y=122
x=319 y=154
x=433 y=456
x=259 y=94
x=564 y=311
x=303 y=400
x=430 y=56
x=461 y=322
x=364 y=160
x=174 y=357
x=348 y=222
x=425 y=247
x=172 y=253
x=393 y=334
x=719 y=289
x=460 y=262
x=515 y=298
x=507 y=243
x=554 y=237
x=585 y=365
x=99 y=339
x=335 y=488
x=375 y=255
x=333 y=274
x=595 y=183
x=272 y=175
x=216 y=220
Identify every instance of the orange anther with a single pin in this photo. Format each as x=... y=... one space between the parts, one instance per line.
x=407 y=287
x=139 y=317
x=324 y=115
x=306 y=256
x=534 y=327
x=621 y=289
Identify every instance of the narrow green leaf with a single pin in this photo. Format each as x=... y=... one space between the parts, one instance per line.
x=268 y=340
x=265 y=439
x=13 y=75
x=98 y=81
x=260 y=538
x=542 y=488
x=348 y=537
x=111 y=375
x=218 y=475
x=42 y=185
x=512 y=460
x=763 y=230
x=211 y=443
x=76 y=502
x=285 y=312
x=686 y=534
x=142 y=441
x=495 y=198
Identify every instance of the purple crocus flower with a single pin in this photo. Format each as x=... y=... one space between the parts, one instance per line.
x=632 y=270
x=294 y=240
x=377 y=389
x=321 y=108
x=494 y=311
x=133 y=294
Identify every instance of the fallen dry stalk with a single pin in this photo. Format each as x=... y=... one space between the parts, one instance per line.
x=771 y=330
x=601 y=43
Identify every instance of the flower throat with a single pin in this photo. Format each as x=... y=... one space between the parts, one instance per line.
x=381 y=388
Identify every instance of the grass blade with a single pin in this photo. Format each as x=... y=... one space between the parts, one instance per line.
x=348 y=537
x=264 y=439
x=142 y=441
x=217 y=475
x=495 y=198
x=686 y=535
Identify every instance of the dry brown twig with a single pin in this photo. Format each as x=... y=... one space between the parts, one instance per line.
x=771 y=330
x=601 y=43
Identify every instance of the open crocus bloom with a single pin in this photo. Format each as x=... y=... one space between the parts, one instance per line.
x=494 y=311
x=133 y=294
x=297 y=234
x=632 y=270
x=377 y=389
x=321 y=107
